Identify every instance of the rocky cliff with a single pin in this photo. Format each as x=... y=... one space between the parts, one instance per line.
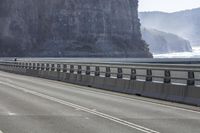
x=71 y=28
x=162 y=42
x=185 y=24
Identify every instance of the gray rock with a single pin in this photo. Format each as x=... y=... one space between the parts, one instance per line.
x=76 y=28
x=185 y=24
x=162 y=42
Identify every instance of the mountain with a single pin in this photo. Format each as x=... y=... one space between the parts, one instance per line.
x=183 y=23
x=162 y=42
x=71 y=28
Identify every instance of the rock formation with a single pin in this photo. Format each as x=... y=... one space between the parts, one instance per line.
x=185 y=24
x=71 y=28
x=162 y=42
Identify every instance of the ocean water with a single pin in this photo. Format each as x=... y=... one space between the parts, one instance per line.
x=194 y=54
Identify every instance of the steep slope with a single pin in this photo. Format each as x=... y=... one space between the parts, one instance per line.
x=77 y=28
x=161 y=42
x=184 y=23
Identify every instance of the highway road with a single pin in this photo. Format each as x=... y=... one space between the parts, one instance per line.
x=35 y=105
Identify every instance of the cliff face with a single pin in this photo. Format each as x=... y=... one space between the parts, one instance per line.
x=100 y=28
x=183 y=23
x=162 y=42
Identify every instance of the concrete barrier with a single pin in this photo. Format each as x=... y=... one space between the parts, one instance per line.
x=110 y=84
x=87 y=80
x=72 y=78
x=122 y=85
x=44 y=74
x=79 y=79
x=67 y=77
x=98 y=82
x=152 y=89
x=136 y=87
x=189 y=93
x=31 y=72
x=175 y=93
x=192 y=95
x=62 y=76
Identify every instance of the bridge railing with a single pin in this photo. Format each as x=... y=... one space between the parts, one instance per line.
x=168 y=74
x=177 y=83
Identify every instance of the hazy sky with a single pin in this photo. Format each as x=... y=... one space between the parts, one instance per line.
x=167 y=5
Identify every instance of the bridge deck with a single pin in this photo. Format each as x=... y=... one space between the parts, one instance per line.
x=41 y=105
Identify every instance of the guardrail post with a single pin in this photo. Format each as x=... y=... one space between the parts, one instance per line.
x=120 y=73
x=38 y=66
x=30 y=66
x=15 y=64
x=87 y=70
x=42 y=66
x=167 y=78
x=108 y=72
x=34 y=66
x=97 y=71
x=19 y=64
x=47 y=67
x=52 y=67
x=58 y=67
x=133 y=74
x=71 y=68
x=149 y=75
x=26 y=66
x=23 y=65
x=64 y=68
x=79 y=69
x=191 y=78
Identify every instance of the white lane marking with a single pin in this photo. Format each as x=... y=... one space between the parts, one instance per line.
x=1 y=131
x=97 y=113
x=134 y=99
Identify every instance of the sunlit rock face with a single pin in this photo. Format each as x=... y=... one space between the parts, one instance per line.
x=71 y=28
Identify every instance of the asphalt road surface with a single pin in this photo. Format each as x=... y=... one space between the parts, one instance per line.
x=35 y=105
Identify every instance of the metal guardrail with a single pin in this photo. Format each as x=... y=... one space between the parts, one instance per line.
x=165 y=73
